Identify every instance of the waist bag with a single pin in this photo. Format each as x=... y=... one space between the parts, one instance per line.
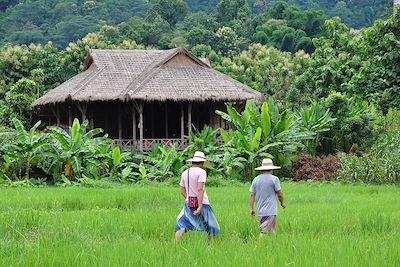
x=192 y=201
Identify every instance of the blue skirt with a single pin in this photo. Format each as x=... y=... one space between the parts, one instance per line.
x=186 y=221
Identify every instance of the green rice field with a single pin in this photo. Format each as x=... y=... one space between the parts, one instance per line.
x=323 y=225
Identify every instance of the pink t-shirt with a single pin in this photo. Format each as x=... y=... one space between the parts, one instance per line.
x=197 y=175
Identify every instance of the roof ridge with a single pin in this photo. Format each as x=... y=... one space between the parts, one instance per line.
x=145 y=74
x=126 y=50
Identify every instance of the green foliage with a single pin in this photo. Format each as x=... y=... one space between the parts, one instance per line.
x=171 y=11
x=227 y=42
x=357 y=63
x=260 y=132
x=266 y=69
x=161 y=164
x=355 y=14
x=354 y=126
x=227 y=11
x=379 y=165
x=27 y=151
x=71 y=151
x=204 y=140
x=63 y=21
x=288 y=28
x=317 y=119
x=17 y=102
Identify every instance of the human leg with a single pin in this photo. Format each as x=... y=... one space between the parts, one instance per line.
x=178 y=235
x=267 y=225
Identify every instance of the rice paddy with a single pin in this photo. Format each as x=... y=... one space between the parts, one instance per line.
x=323 y=225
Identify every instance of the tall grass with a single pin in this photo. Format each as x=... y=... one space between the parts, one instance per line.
x=323 y=225
x=381 y=162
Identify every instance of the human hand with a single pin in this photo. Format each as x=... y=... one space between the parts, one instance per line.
x=197 y=212
x=252 y=213
x=283 y=205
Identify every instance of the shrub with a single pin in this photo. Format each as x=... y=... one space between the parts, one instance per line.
x=307 y=167
x=380 y=165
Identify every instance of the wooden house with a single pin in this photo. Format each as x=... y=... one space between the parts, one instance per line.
x=143 y=97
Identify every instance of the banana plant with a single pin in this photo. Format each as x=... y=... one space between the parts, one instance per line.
x=317 y=119
x=71 y=150
x=163 y=162
x=120 y=169
x=28 y=146
x=262 y=131
x=204 y=140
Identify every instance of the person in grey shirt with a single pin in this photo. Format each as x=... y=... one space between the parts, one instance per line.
x=264 y=190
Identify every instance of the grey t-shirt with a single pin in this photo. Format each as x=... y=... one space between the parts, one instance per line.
x=265 y=186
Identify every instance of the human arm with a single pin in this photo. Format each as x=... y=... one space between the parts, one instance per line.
x=183 y=191
x=277 y=188
x=182 y=185
x=200 y=194
x=252 y=200
x=281 y=200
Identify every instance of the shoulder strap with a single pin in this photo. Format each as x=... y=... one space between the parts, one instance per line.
x=188 y=184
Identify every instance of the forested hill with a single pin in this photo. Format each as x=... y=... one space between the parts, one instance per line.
x=355 y=13
x=63 y=21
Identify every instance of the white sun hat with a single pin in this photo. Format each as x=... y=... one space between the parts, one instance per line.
x=267 y=165
x=198 y=157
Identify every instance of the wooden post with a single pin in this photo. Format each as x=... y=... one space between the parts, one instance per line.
x=189 y=118
x=57 y=113
x=82 y=108
x=134 y=124
x=119 y=122
x=69 y=116
x=211 y=109
x=84 y=113
x=152 y=120
x=166 y=120
x=182 y=122
x=141 y=126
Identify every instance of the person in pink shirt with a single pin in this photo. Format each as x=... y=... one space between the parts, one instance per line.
x=197 y=214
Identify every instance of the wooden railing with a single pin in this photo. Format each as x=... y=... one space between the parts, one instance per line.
x=180 y=144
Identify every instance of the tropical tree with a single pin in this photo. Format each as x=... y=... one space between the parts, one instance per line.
x=172 y=11
x=17 y=102
x=353 y=129
x=266 y=69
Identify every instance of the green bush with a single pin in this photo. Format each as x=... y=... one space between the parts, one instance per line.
x=380 y=165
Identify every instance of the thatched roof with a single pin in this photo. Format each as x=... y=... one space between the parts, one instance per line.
x=149 y=75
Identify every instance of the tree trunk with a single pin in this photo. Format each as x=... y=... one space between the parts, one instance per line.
x=28 y=166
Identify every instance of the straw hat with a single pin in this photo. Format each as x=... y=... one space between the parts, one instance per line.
x=267 y=165
x=198 y=157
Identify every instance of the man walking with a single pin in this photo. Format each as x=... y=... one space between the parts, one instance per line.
x=264 y=190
